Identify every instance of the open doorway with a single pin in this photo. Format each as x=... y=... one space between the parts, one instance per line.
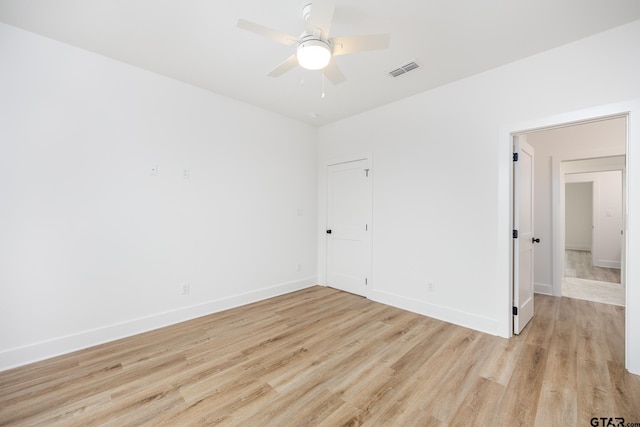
x=589 y=158
x=566 y=155
x=553 y=255
x=593 y=225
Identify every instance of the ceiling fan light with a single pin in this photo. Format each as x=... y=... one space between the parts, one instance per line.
x=313 y=54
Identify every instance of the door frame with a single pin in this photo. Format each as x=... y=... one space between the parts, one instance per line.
x=323 y=166
x=632 y=214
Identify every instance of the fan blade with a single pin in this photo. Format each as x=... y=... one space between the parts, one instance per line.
x=333 y=73
x=353 y=44
x=286 y=65
x=319 y=21
x=280 y=37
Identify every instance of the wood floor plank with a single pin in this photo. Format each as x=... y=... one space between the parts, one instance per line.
x=568 y=310
x=539 y=331
x=502 y=360
x=139 y=409
x=558 y=398
x=557 y=406
x=464 y=374
x=476 y=409
x=626 y=392
x=345 y=415
x=614 y=334
x=594 y=393
x=520 y=401
x=324 y=357
x=376 y=403
x=462 y=364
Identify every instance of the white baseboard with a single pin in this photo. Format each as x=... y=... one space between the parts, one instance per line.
x=543 y=288
x=607 y=264
x=62 y=345
x=577 y=248
x=479 y=323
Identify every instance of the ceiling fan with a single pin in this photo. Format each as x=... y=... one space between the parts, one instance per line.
x=314 y=48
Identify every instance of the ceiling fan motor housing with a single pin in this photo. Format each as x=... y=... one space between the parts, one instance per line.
x=313 y=53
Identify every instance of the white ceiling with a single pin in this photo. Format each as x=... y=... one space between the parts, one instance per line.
x=197 y=42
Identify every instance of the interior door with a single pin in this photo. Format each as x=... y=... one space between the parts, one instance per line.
x=523 y=241
x=349 y=226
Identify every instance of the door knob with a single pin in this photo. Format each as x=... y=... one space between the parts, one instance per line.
x=328 y=231
x=534 y=240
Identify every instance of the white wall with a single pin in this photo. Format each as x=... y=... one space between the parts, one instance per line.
x=441 y=166
x=579 y=215
x=93 y=247
x=608 y=220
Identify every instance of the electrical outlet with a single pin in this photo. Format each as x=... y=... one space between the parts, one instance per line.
x=184 y=288
x=431 y=286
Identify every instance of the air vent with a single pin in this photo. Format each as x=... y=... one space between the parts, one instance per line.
x=404 y=69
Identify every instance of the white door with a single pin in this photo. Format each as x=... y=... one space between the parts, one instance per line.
x=524 y=240
x=349 y=226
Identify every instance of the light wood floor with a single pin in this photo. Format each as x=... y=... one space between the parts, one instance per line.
x=580 y=264
x=324 y=357
x=584 y=281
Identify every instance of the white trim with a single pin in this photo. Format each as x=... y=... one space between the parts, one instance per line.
x=62 y=345
x=577 y=248
x=346 y=159
x=595 y=163
x=543 y=288
x=607 y=263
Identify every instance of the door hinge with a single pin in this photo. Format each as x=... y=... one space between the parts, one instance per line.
x=515 y=234
x=515 y=311
x=366 y=281
x=366 y=173
x=515 y=157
